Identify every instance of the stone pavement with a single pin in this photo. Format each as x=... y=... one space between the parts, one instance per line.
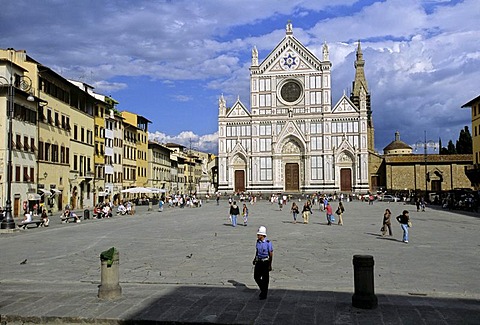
x=190 y=266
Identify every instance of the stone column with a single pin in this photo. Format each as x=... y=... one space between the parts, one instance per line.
x=364 y=296
x=109 y=287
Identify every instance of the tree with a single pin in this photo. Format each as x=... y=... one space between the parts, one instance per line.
x=464 y=142
x=451 y=148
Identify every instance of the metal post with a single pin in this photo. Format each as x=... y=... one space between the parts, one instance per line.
x=8 y=222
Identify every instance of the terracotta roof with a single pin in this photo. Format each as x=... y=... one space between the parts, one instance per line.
x=395 y=145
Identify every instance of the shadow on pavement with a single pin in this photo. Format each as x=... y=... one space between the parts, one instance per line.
x=223 y=306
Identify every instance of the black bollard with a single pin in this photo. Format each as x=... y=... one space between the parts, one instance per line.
x=364 y=296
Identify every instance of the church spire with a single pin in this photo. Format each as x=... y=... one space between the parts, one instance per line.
x=360 y=79
x=360 y=94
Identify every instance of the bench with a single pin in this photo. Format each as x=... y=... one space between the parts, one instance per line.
x=24 y=225
x=70 y=218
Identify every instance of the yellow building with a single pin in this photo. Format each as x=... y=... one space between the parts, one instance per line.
x=473 y=172
x=54 y=129
x=82 y=105
x=99 y=157
x=16 y=90
x=138 y=128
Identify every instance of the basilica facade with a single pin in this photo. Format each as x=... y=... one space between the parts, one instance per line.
x=292 y=138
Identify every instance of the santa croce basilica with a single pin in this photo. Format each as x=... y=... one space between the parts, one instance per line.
x=292 y=138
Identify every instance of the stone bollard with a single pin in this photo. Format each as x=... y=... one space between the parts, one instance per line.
x=109 y=287
x=364 y=296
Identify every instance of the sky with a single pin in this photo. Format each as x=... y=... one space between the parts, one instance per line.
x=171 y=60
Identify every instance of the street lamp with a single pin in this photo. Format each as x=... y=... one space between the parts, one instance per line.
x=426 y=144
x=24 y=83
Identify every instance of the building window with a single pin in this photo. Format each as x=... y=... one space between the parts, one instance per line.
x=25 y=144
x=265 y=168
x=265 y=129
x=47 y=151
x=75 y=132
x=32 y=144
x=18 y=142
x=317 y=168
x=32 y=174
x=265 y=144
x=17 y=173
x=40 y=150
x=316 y=143
x=75 y=162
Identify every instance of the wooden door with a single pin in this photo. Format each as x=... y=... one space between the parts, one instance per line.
x=345 y=180
x=292 y=182
x=239 y=181
x=16 y=207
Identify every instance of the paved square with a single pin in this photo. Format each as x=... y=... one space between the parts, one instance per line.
x=190 y=265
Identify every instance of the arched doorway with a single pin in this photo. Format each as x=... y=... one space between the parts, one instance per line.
x=291 y=156
x=345 y=165
x=239 y=166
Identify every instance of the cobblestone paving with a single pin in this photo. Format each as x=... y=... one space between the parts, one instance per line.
x=190 y=266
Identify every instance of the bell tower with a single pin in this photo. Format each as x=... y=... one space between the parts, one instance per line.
x=360 y=85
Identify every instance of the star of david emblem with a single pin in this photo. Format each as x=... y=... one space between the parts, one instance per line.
x=289 y=61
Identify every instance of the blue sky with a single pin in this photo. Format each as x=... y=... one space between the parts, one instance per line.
x=171 y=60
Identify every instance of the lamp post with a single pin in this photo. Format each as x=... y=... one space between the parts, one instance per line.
x=426 y=144
x=24 y=83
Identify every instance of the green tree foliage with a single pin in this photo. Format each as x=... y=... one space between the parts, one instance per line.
x=451 y=148
x=463 y=145
x=464 y=142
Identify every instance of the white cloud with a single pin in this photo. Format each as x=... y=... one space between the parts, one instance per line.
x=205 y=143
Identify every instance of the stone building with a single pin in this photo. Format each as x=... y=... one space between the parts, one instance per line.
x=473 y=172
x=292 y=138
x=405 y=171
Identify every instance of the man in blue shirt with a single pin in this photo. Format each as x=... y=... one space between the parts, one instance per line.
x=263 y=262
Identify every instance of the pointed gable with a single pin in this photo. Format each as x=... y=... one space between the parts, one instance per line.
x=238 y=110
x=344 y=105
x=290 y=55
x=291 y=129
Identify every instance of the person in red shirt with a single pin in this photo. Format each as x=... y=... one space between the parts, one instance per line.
x=329 y=213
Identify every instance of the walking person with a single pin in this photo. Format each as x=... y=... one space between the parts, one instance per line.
x=387 y=223
x=263 y=262
x=245 y=214
x=329 y=213
x=339 y=212
x=234 y=212
x=306 y=212
x=404 y=220
x=295 y=212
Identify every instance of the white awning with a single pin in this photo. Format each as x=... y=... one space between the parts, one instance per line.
x=45 y=191
x=55 y=191
x=34 y=197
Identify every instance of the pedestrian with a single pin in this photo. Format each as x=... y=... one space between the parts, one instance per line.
x=329 y=213
x=422 y=204
x=234 y=212
x=339 y=212
x=387 y=223
x=218 y=198
x=263 y=262
x=404 y=220
x=417 y=203
x=45 y=219
x=306 y=212
x=295 y=211
x=280 y=202
x=245 y=214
